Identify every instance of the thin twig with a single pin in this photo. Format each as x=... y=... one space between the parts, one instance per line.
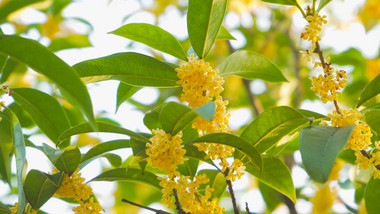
x=177 y=203
x=247 y=208
x=231 y=190
x=145 y=207
x=369 y=156
x=251 y=97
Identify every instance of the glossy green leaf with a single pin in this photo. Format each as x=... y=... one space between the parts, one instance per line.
x=371 y=117
x=3 y=58
x=152 y=119
x=320 y=146
x=193 y=152
x=102 y=148
x=20 y=153
x=124 y=92
x=39 y=187
x=274 y=174
x=24 y=118
x=223 y=34
x=9 y=7
x=217 y=181
x=274 y=126
x=175 y=116
x=311 y=115
x=48 y=64
x=6 y=146
x=284 y=2
x=235 y=141
x=204 y=18
x=323 y=3
x=250 y=65
x=129 y=174
x=271 y=197
x=102 y=127
x=153 y=36
x=70 y=41
x=69 y=160
x=371 y=91
x=113 y=159
x=131 y=68
x=372 y=195
x=51 y=152
x=138 y=149
x=189 y=167
x=45 y=111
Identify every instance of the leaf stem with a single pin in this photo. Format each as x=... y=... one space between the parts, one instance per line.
x=145 y=207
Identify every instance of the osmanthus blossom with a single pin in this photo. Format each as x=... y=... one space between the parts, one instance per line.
x=327 y=87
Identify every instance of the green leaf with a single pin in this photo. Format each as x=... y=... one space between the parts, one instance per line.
x=24 y=118
x=20 y=153
x=39 y=187
x=223 y=34
x=51 y=152
x=175 y=116
x=45 y=111
x=131 y=68
x=274 y=174
x=102 y=148
x=193 y=152
x=139 y=151
x=102 y=127
x=41 y=60
x=370 y=91
x=371 y=117
x=250 y=65
x=283 y=2
x=153 y=36
x=371 y=196
x=124 y=92
x=152 y=119
x=69 y=160
x=236 y=142
x=6 y=146
x=322 y=3
x=189 y=167
x=129 y=174
x=113 y=159
x=274 y=126
x=204 y=18
x=9 y=7
x=271 y=197
x=70 y=41
x=320 y=146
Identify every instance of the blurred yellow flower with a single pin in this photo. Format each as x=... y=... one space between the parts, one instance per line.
x=313 y=28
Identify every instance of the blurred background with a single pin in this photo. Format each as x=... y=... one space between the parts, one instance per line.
x=77 y=30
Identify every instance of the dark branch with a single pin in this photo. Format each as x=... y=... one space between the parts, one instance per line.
x=145 y=207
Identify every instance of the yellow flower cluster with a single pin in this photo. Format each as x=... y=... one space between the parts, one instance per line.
x=328 y=86
x=323 y=199
x=189 y=196
x=74 y=187
x=313 y=28
x=236 y=170
x=166 y=152
x=361 y=136
x=15 y=208
x=199 y=82
x=362 y=161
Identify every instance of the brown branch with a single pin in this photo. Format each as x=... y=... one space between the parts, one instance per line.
x=247 y=208
x=251 y=98
x=369 y=156
x=145 y=207
x=231 y=190
x=177 y=203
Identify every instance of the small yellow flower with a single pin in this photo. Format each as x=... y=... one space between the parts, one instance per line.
x=313 y=28
x=74 y=187
x=323 y=199
x=375 y=174
x=361 y=136
x=166 y=152
x=199 y=82
x=362 y=161
x=236 y=170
